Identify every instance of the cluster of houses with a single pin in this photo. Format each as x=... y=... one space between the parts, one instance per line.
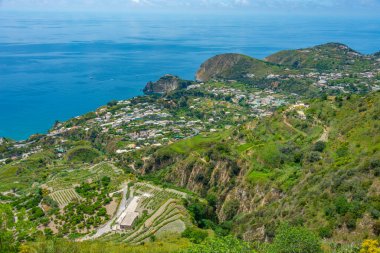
x=261 y=103
x=22 y=150
x=323 y=80
x=150 y=125
x=299 y=108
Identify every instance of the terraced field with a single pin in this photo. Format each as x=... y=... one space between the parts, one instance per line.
x=169 y=213
x=64 y=197
x=154 y=196
x=171 y=217
x=70 y=178
x=166 y=214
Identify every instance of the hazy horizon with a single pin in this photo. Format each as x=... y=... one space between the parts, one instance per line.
x=310 y=7
x=56 y=66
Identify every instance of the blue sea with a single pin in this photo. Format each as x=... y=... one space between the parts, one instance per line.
x=54 y=66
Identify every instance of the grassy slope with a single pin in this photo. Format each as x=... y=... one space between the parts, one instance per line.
x=325 y=57
x=172 y=244
x=285 y=178
x=335 y=192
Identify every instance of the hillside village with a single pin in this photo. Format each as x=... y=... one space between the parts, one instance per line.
x=147 y=124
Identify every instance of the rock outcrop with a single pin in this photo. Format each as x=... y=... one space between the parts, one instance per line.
x=166 y=84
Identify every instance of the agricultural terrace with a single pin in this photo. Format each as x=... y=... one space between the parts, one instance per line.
x=152 y=197
x=161 y=213
x=64 y=197
x=69 y=178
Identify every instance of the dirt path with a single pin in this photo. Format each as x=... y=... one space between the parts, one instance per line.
x=326 y=132
x=287 y=123
x=325 y=135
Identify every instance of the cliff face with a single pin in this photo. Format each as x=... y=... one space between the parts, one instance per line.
x=235 y=67
x=222 y=176
x=166 y=84
x=262 y=174
x=217 y=65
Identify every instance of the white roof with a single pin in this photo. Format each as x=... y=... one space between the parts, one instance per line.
x=133 y=205
x=130 y=211
x=129 y=218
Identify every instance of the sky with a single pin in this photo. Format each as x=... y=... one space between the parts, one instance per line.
x=348 y=6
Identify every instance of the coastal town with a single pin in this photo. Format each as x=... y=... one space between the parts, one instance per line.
x=141 y=123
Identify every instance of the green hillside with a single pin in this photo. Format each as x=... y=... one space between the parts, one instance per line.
x=327 y=57
x=235 y=67
x=321 y=172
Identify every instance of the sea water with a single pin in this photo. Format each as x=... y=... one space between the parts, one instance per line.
x=54 y=66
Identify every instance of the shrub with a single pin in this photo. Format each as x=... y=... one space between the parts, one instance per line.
x=341 y=205
x=295 y=240
x=271 y=155
x=227 y=244
x=319 y=146
x=230 y=208
x=195 y=235
x=200 y=211
x=370 y=246
x=376 y=228
x=313 y=156
x=325 y=232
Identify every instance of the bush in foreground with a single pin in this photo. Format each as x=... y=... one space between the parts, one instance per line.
x=295 y=240
x=227 y=244
x=370 y=246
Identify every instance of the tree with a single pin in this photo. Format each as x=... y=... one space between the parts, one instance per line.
x=319 y=146
x=112 y=103
x=102 y=212
x=295 y=240
x=106 y=181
